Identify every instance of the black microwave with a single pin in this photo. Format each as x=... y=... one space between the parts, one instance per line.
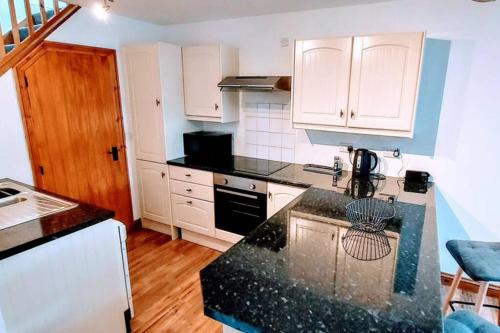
x=208 y=146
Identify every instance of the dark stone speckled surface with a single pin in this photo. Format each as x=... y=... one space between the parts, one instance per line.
x=27 y=235
x=294 y=274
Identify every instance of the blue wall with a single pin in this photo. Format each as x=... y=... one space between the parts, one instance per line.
x=432 y=81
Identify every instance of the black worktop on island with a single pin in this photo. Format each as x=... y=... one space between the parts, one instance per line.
x=27 y=235
x=294 y=273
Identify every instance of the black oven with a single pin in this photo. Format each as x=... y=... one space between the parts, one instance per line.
x=240 y=203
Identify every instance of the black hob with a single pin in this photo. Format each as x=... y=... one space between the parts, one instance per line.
x=234 y=164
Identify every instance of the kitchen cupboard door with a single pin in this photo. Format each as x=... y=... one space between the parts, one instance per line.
x=202 y=73
x=193 y=214
x=384 y=81
x=321 y=81
x=143 y=74
x=278 y=196
x=154 y=191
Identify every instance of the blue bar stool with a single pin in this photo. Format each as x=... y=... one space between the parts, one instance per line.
x=480 y=261
x=462 y=321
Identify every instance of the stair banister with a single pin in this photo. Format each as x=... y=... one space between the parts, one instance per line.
x=13 y=20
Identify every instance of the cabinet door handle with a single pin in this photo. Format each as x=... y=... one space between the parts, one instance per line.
x=158 y=102
x=188 y=190
x=188 y=175
x=189 y=202
x=270 y=195
x=216 y=106
x=341 y=113
x=163 y=175
x=352 y=114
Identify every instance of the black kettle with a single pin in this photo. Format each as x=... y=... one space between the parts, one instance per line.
x=362 y=164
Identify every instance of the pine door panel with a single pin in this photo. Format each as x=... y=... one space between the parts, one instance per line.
x=321 y=81
x=71 y=104
x=384 y=78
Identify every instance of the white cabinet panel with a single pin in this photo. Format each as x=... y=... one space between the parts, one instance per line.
x=154 y=191
x=145 y=98
x=384 y=79
x=204 y=67
x=278 y=196
x=193 y=214
x=321 y=81
x=192 y=190
x=192 y=175
x=202 y=73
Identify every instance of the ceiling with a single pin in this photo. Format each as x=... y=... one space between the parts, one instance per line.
x=166 y=12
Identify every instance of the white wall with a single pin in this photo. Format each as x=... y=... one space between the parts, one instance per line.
x=468 y=134
x=85 y=29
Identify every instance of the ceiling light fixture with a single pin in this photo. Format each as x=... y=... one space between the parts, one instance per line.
x=101 y=10
x=483 y=0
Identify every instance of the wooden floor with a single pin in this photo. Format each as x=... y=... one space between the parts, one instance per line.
x=166 y=287
x=165 y=283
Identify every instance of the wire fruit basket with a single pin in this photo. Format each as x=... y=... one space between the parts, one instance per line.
x=369 y=214
x=366 y=246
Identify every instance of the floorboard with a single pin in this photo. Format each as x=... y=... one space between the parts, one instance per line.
x=165 y=283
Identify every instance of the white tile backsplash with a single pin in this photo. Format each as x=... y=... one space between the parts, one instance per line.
x=268 y=131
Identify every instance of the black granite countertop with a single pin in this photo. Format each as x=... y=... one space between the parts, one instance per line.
x=27 y=235
x=297 y=272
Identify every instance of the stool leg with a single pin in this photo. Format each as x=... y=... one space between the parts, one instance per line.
x=481 y=296
x=453 y=288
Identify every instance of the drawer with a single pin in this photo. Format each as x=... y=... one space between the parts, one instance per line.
x=192 y=190
x=191 y=175
x=193 y=214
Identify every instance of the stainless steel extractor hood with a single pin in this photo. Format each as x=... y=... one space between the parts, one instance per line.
x=255 y=83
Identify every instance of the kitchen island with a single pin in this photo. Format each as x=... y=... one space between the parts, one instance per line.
x=300 y=271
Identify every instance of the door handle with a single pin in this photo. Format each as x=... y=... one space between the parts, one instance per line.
x=114 y=152
x=341 y=113
x=216 y=106
x=163 y=175
x=188 y=190
x=352 y=114
x=158 y=102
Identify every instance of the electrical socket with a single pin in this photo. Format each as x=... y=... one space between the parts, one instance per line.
x=392 y=153
x=345 y=147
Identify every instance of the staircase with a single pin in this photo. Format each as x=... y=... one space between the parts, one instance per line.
x=27 y=24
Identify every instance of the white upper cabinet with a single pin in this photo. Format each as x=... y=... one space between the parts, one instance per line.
x=204 y=67
x=365 y=85
x=384 y=81
x=143 y=69
x=321 y=81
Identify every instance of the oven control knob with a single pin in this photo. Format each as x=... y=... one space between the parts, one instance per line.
x=252 y=186
x=225 y=181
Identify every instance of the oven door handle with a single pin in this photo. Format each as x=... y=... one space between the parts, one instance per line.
x=237 y=193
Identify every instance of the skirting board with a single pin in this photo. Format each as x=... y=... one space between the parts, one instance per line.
x=207 y=241
x=157 y=226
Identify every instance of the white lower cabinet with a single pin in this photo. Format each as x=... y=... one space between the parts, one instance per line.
x=154 y=191
x=193 y=214
x=278 y=196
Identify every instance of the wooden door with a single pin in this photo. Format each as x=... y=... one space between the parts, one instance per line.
x=202 y=73
x=384 y=80
x=71 y=105
x=321 y=81
x=278 y=196
x=143 y=69
x=153 y=191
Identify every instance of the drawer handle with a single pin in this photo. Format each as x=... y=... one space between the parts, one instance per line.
x=188 y=175
x=189 y=202
x=188 y=190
